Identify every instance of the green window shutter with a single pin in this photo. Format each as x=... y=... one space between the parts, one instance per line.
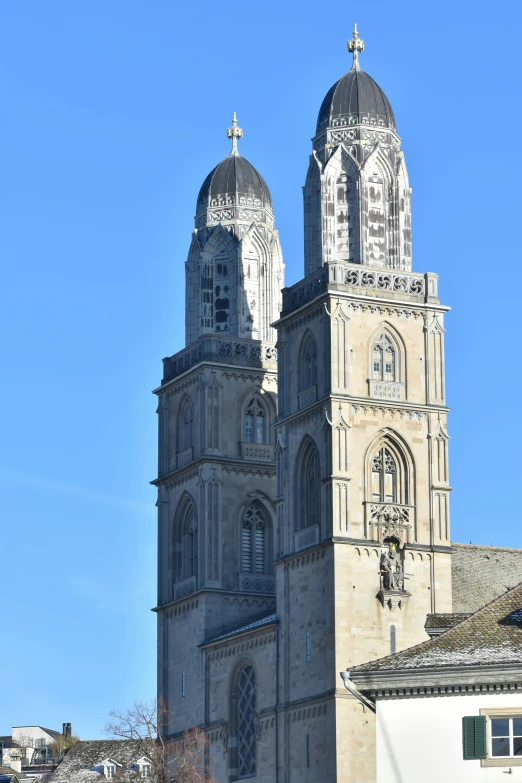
x=474 y=737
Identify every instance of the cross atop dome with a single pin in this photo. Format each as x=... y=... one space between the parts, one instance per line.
x=355 y=45
x=234 y=133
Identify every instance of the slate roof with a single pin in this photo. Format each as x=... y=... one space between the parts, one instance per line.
x=480 y=573
x=9 y=774
x=271 y=618
x=356 y=98
x=492 y=635
x=77 y=765
x=234 y=177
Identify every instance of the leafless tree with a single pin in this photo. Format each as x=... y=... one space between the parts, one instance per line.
x=172 y=760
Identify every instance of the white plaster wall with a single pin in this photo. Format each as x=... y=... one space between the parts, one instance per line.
x=421 y=739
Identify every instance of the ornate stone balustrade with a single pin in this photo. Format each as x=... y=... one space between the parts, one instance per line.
x=187 y=587
x=251 y=353
x=399 y=285
x=384 y=520
x=184 y=457
x=307 y=397
x=256 y=583
x=306 y=538
x=387 y=390
x=258 y=452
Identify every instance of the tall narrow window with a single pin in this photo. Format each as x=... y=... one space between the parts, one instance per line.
x=308 y=487
x=185 y=425
x=189 y=542
x=307 y=750
x=254 y=531
x=255 y=422
x=384 y=360
x=245 y=722
x=308 y=647
x=308 y=369
x=384 y=477
x=183 y=684
x=393 y=640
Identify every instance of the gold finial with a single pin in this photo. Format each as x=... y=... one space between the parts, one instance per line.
x=355 y=45
x=234 y=133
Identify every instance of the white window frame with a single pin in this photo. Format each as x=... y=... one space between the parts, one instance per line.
x=499 y=761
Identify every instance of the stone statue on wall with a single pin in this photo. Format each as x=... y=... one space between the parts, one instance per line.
x=392 y=571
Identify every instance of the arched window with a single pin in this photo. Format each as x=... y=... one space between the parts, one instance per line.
x=243 y=750
x=384 y=359
x=308 y=487
x=255 y=555
x=189 y=543
x=185 y=425
x=308 y=361
x=255 y=422
x=384 y=477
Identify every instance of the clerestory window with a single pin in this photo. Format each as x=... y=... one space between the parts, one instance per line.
x=245 y=722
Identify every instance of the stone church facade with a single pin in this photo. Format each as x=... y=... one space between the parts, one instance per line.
x=303 y=486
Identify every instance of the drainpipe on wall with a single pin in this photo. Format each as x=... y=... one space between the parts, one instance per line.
x=352 y=688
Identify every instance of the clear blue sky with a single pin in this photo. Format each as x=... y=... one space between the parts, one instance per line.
x=112 y=115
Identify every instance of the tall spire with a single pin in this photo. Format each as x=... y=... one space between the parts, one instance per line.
x=355 y=45
x=234 y=133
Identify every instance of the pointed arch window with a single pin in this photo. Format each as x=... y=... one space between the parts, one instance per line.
x=185 y=425
x=254 y=540
x=255 y=422
x=189 y=543
x=308 y=486
x=308 y=369
x=384 y=477
x=384 y=359
x=244 y=723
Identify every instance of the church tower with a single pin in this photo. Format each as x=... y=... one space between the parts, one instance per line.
x=217 y=405
x=363 y=489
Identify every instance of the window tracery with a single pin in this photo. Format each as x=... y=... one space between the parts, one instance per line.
x=255 y=422
x=185 y=425
x=189 y=542
x=308 y=487
x=245 y=721
x=384 y=477
x=384 y=359
x=308 y=369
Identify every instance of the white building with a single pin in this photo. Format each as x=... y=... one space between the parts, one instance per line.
x=450 y=708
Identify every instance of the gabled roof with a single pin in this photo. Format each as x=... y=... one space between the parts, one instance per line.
x=78 y=765
x=490 y=636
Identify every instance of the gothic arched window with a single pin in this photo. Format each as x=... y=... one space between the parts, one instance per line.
x=384 y=477
x=308 y=362
x=243 y=760
x=308 y=486
x=255 y=422
x=185 y=425
x=384 y=359
x=189 y=542
x=254 y=540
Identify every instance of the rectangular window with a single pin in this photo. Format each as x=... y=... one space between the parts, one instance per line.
x=308 y=647
x=249 y=428
x=110 y=771
x=260 y=429
x=393 y=640
x=183 y=684
x=506 y=737
x=145 y=770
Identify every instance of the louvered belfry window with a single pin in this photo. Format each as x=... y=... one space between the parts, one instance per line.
x=253 y=542
x=245 y=722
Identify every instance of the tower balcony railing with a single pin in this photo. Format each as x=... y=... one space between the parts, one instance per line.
x=366 y=280
x=257 y=452
x=387 y=390
x=184 y=457
x=256 y=583
x=306 y=538
x=226 y=350
x=307 y=397
x=387 y=520
x=184 y=588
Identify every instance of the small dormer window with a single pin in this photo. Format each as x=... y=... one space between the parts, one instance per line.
x=110 y=771
x=145 y=770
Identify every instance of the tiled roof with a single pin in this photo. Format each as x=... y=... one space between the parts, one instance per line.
x=493 y=635
x=77 y=766
x=481 y=573
x=271 y=618
x=444 y=620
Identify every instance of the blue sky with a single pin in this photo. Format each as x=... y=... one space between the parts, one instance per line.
x=112 y=115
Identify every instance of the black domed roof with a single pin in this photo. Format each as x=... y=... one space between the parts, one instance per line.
x=355 y=98
x=234 y=181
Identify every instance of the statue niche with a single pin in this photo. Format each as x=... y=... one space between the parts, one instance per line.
x=391 y=567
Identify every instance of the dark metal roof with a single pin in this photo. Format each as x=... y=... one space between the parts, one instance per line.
x=234 y=178
x=356 y=98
